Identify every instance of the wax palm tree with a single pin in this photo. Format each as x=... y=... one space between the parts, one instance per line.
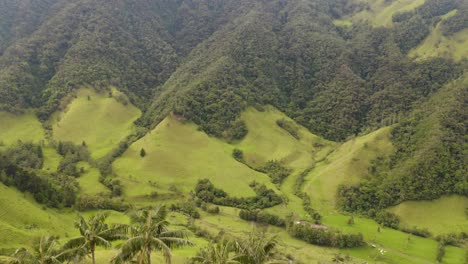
x=94 y=232
x=257 y=248
x=220 y=253
x=149 y=232
x=46 y=251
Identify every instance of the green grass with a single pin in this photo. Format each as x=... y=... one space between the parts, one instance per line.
x=444 y=215
x=380 y=13
x=89 y=181
x=25 y=127
x=51 y=159
x=438 y=45
x=347 y=164
x=21 y=219
x=102 y=122
x=177 y=155
x=267 y=141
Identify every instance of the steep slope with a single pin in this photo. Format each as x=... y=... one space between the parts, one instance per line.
x=98 y=120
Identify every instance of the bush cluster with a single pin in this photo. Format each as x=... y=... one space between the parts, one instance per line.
x=319 y=235
x=262 y=217
x=206 y=192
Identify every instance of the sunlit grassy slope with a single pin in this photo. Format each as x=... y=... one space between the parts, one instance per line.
x=437 y=45
x=89 y=180
x=444 y=215
x=101 y=121
x=177 y=155
x=267 y=141
x=380 y=12
x=347 y=164
x=22 y=219
x=23 y=127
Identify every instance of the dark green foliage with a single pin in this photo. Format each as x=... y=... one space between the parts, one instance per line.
x=456 y=23
x=50 y=189
x=440 y=252
x=276 y=171
x=214 y=110
x=411 y=32
x=100 y=202
x=142 y=152
x=187 y=208
x=387 y=219
x=429 y=160
x=421 y=232
x=262 y=217
x=322 y=236
x=26 y=155
x=289 y=126
x=72 y=154
x=238 y=155
x=265 y=198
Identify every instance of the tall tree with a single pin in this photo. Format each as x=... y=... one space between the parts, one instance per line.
x=149 y=232
x=94 y=232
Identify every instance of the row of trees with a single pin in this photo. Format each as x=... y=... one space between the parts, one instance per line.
x=148 y=232
x=207 y=192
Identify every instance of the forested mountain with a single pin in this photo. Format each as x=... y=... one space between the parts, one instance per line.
x=207 y=62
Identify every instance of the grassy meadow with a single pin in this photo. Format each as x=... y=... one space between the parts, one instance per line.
x=97 y=119
x=380 y=12
x=23 y=127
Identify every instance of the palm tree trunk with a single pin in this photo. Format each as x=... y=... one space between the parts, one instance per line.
x=93 y=248
x=149 y=256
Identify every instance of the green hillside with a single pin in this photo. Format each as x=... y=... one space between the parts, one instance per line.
x=25 y=127
x=96 y=119
x=433 y=214
x=380 y=12
x=334 y=131
x=347 y=164
x=177 y=156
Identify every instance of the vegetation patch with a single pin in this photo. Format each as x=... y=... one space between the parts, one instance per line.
x=265 y=198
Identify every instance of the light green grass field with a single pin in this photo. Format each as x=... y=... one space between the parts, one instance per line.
x=51 y=159
x=23 y=127
x=267 y=141
x=444 y=215
x=381 y=12
x=438 y=45
x=21 y=219
x=89 y=181
x=102 y=122
x=177 y=155
x=347 y=164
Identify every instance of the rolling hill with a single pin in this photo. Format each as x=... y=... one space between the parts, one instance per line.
x=344 y=119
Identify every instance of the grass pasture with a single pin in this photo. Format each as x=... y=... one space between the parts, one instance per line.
x=25 y=127
x=21 y=219
x=347 y=164
x=444 y=215
x=438 y=45
x=381 y=12
x=101 y=121
x=89 y=181
x=177 y=155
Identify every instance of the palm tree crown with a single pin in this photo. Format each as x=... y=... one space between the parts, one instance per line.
x=148 y=232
